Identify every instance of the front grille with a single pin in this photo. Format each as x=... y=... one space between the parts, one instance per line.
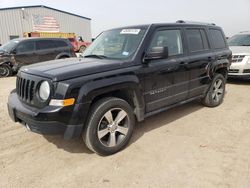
x=25 y=89
x=237 y=58
x=233 y=70
x=246 y=71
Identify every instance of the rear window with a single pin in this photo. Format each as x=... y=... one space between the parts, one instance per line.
x=217 y=38
x=45 y=44
x=197 y=40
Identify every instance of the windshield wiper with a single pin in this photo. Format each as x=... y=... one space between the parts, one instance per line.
x=245 y=45
x=96 y=56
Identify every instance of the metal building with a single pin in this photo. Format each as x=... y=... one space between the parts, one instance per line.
x=15 y=21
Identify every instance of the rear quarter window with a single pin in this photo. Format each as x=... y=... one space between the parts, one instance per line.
x=217 y=39
x=61 y=43
x=197 y=40
x=45 y=44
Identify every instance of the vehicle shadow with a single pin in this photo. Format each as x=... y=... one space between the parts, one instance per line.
x=238 y=81
x=162 y=119
x=75 y=145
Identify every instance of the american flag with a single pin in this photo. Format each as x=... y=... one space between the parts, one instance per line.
x=45 y=24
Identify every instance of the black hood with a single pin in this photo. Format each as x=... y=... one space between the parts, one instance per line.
x=64 y=69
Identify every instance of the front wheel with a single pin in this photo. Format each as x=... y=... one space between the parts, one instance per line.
x=216 y=92
x=5 y=70
x=110 y=126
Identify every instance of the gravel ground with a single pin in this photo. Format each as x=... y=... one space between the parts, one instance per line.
x=189 y=146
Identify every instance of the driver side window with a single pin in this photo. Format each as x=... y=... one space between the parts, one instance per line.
x=168 y=38
x=24 y=47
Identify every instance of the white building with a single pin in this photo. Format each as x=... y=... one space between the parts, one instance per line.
x=15 y=21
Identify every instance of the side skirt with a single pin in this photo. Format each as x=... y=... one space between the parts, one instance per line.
x=172 y=106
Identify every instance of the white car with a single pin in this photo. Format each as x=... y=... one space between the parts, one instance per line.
x=240 y=46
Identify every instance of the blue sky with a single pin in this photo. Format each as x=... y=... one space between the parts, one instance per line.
x=233 y=16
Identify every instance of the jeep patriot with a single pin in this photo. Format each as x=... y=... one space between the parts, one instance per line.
x=126 y=75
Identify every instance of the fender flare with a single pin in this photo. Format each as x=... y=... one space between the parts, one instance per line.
x=5 y=61
x=224 y=63
x=96 y=88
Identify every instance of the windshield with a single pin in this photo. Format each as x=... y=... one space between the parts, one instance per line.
x=9 y=46
x=116 y=44
x=239 y=40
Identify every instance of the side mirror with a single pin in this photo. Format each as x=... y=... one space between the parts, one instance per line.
x=157 y=53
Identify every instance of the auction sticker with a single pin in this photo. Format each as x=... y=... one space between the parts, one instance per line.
x=130 y=31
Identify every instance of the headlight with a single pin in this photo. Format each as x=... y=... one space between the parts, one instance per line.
x=44 y=90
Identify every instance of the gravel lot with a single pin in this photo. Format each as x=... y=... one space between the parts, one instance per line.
x=189 y=146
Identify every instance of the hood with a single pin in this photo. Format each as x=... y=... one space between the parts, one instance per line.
x=240 y=50
x=64 y=69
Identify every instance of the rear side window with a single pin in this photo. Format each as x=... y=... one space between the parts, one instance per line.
x=45 y=44
x=197 y=40
x=26 y=46
x=60 y=43
x=217 y=39
x=168 y=38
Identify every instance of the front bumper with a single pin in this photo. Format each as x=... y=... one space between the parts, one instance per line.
x=240 y=69
x=43 y=121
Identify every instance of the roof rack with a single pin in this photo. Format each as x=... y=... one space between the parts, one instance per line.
x=192 y=22
x=245 y=32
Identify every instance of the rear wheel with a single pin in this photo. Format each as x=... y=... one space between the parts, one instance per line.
x=82 y=49
x=109 y=126
x=216 y=92
x=63 y=57
x=5 y=70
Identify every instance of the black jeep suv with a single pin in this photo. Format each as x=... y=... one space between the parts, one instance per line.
x=127 y=74
x=26 y=51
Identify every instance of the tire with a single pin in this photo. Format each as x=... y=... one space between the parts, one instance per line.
x=63 y=57
x=82 y=49
x=5 y=70
x=216 y=92
x=105 y=133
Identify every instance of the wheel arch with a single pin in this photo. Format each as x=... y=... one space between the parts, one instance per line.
x=124 y=87
x=221 y=67
x=66 y=55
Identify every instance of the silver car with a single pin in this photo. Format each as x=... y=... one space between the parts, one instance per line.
x=240 y=46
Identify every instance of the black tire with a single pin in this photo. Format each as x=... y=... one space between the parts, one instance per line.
x=5 y=70
x=98 y=123
x=63 y=57
x=82 y=49
x=215 y=96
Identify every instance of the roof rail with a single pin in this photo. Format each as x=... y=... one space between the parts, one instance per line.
x=245 y=32
x=192 y=22
x=180 y=21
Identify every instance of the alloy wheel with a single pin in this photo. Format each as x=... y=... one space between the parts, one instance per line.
x=113 y=127
x=218 y=90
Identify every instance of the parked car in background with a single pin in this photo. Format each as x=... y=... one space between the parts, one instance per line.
x=26 y=51
x=127 y=73
x=78 y=43
x=240 y=46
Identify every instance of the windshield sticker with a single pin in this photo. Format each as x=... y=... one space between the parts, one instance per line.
x=125 y=53
x=130 y=31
